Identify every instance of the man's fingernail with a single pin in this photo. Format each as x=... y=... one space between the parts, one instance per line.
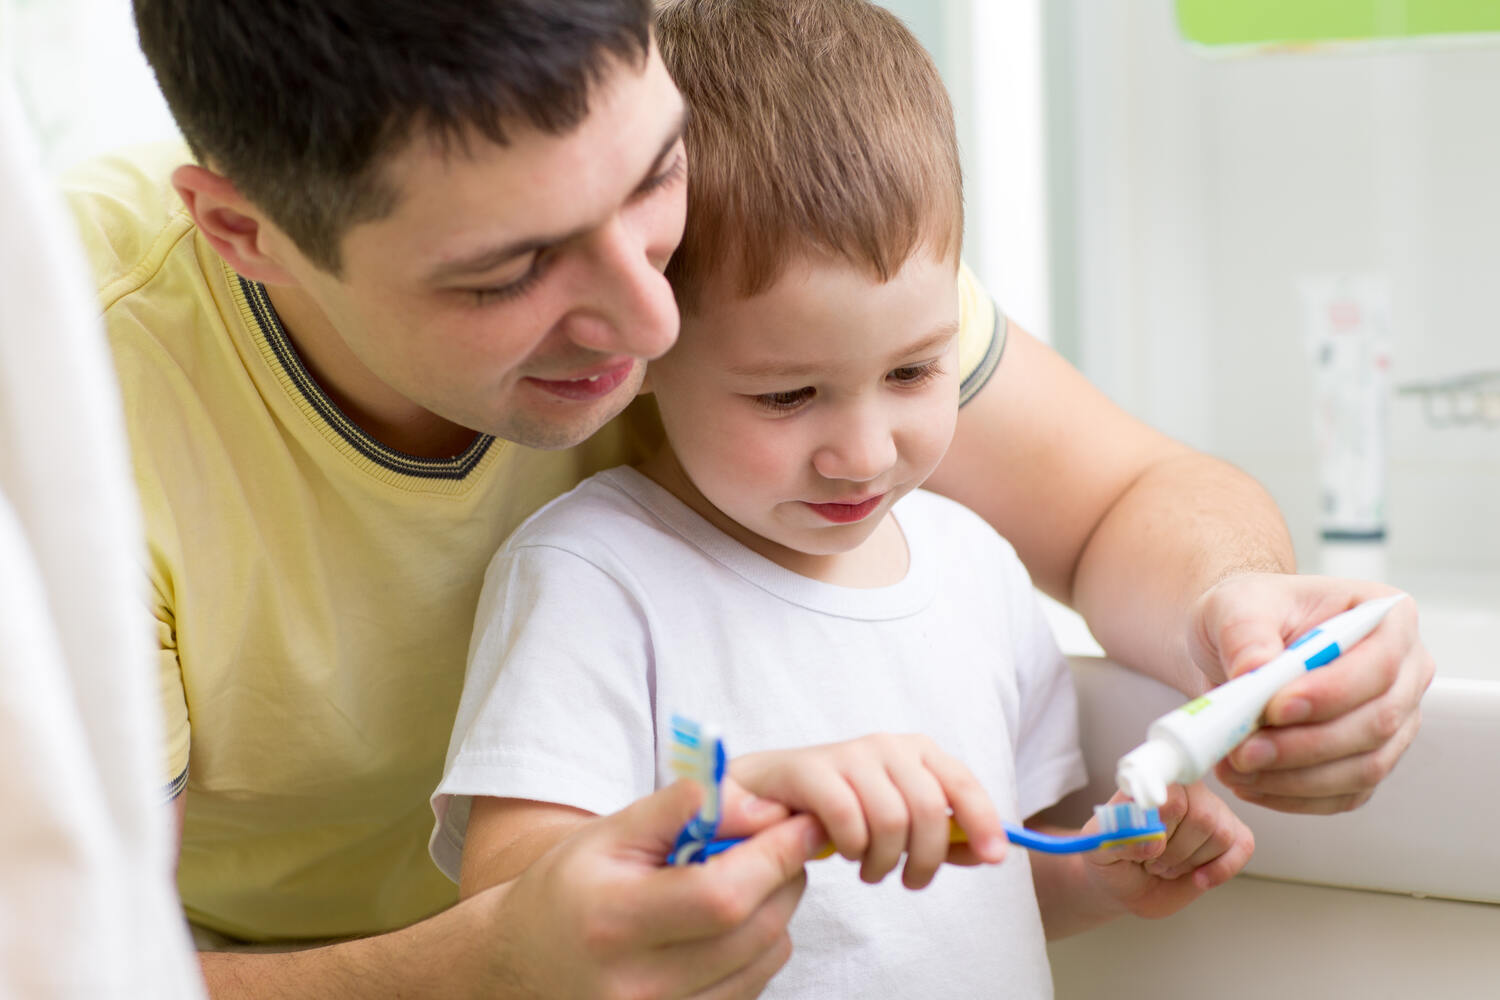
x=1256 y=754
x=1292 y=712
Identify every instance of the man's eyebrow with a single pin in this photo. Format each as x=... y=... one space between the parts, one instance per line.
x=492 y=257
x=938 y=337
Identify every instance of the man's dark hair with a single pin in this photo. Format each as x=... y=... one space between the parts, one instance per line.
x=299 y=102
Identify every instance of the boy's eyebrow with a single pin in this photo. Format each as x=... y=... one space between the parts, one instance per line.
x=940 y=335
x=491 y=257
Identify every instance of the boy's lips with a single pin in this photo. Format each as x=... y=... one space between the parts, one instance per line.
x=847 y=513
x=592 y=384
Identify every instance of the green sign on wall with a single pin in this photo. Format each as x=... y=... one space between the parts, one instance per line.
x=1261 y=23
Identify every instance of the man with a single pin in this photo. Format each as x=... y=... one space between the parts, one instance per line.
x=420 y=236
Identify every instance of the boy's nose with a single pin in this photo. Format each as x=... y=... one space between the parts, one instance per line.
x=632 y=310
x=859 y=452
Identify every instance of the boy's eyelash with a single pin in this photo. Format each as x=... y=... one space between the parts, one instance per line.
x=914 y=375
x=781 y=402
x=907 y=377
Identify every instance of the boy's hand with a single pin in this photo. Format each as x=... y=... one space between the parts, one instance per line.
x=879 y=797
x=1206 y=845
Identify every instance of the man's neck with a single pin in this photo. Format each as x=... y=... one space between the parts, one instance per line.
x=371 y=404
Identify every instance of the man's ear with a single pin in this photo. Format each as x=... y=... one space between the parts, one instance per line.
x=232 y=226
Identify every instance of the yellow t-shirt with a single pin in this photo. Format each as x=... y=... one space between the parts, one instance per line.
x=313 y=590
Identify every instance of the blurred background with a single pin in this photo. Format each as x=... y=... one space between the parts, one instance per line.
x=1164 y=189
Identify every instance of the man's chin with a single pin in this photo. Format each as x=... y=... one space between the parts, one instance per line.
x=555 y=427
x=550 y=432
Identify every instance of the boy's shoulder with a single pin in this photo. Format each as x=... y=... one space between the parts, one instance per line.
x=616 y=509
x=950 y=524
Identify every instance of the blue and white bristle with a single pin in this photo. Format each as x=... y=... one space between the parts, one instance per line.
x=697 y=753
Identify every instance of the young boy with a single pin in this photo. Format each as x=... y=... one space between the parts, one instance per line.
x=774 y=566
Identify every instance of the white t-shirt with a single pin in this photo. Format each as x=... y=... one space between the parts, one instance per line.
x=616 y=606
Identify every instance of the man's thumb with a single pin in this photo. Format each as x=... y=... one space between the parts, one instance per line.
x=652 y=824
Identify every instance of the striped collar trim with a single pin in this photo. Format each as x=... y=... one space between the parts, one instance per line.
x=295 y=374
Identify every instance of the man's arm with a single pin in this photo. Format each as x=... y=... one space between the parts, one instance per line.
x=1109 y=515
x=1183 y=568
x=597 y=916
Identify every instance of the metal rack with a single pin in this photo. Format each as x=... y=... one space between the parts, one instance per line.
x=1468 y=400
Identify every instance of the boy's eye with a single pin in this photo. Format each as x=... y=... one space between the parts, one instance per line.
x=789 y=400
x=912 y=375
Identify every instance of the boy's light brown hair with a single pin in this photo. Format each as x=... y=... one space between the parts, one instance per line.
x=815 y=125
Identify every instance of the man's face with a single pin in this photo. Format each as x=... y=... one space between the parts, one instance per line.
x=517 y=290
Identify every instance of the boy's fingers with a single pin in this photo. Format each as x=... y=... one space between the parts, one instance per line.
x=927 y=807
x=887 y=817
x=814 y=787
x=973 y=810
x=1227 y=865
x=746 y=813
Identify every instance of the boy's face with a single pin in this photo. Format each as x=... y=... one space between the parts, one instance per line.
x=517 y=290
x=802 y=414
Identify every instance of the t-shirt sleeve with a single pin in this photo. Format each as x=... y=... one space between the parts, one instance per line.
x=556 y=705
x=982 y=329
x=176 y=731
x=1049 y=758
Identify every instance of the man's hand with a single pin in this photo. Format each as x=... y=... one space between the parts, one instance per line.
x=1332 y=736
x=880 y=797
x=599 y=915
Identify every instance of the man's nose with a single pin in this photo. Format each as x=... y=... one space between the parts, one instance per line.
x=631 y=309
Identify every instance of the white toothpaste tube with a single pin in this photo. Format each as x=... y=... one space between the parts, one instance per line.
x=1182 y=745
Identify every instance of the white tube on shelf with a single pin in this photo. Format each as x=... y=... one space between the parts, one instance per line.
x=1348 y=321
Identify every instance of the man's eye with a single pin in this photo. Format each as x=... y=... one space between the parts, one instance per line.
x=511 y=289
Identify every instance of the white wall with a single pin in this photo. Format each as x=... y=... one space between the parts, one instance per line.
x=84 y=84
x=1204 y=188
x=991 y=57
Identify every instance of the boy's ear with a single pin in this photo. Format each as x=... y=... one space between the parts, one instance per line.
x=232 y=226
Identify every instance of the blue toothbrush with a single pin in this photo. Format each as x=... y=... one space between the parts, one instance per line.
x=698 y=754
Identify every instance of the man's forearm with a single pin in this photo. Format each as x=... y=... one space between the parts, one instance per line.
x=1183 y=525
x=447 y=955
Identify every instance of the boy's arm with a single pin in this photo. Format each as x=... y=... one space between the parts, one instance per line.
x=1206 y=845
x=506 y=835
x=1183 y=568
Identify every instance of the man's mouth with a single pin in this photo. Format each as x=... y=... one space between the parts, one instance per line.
x=594 y=384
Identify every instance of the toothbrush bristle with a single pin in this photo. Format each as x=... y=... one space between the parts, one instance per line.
x=1130 y=820
x=698 y=754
